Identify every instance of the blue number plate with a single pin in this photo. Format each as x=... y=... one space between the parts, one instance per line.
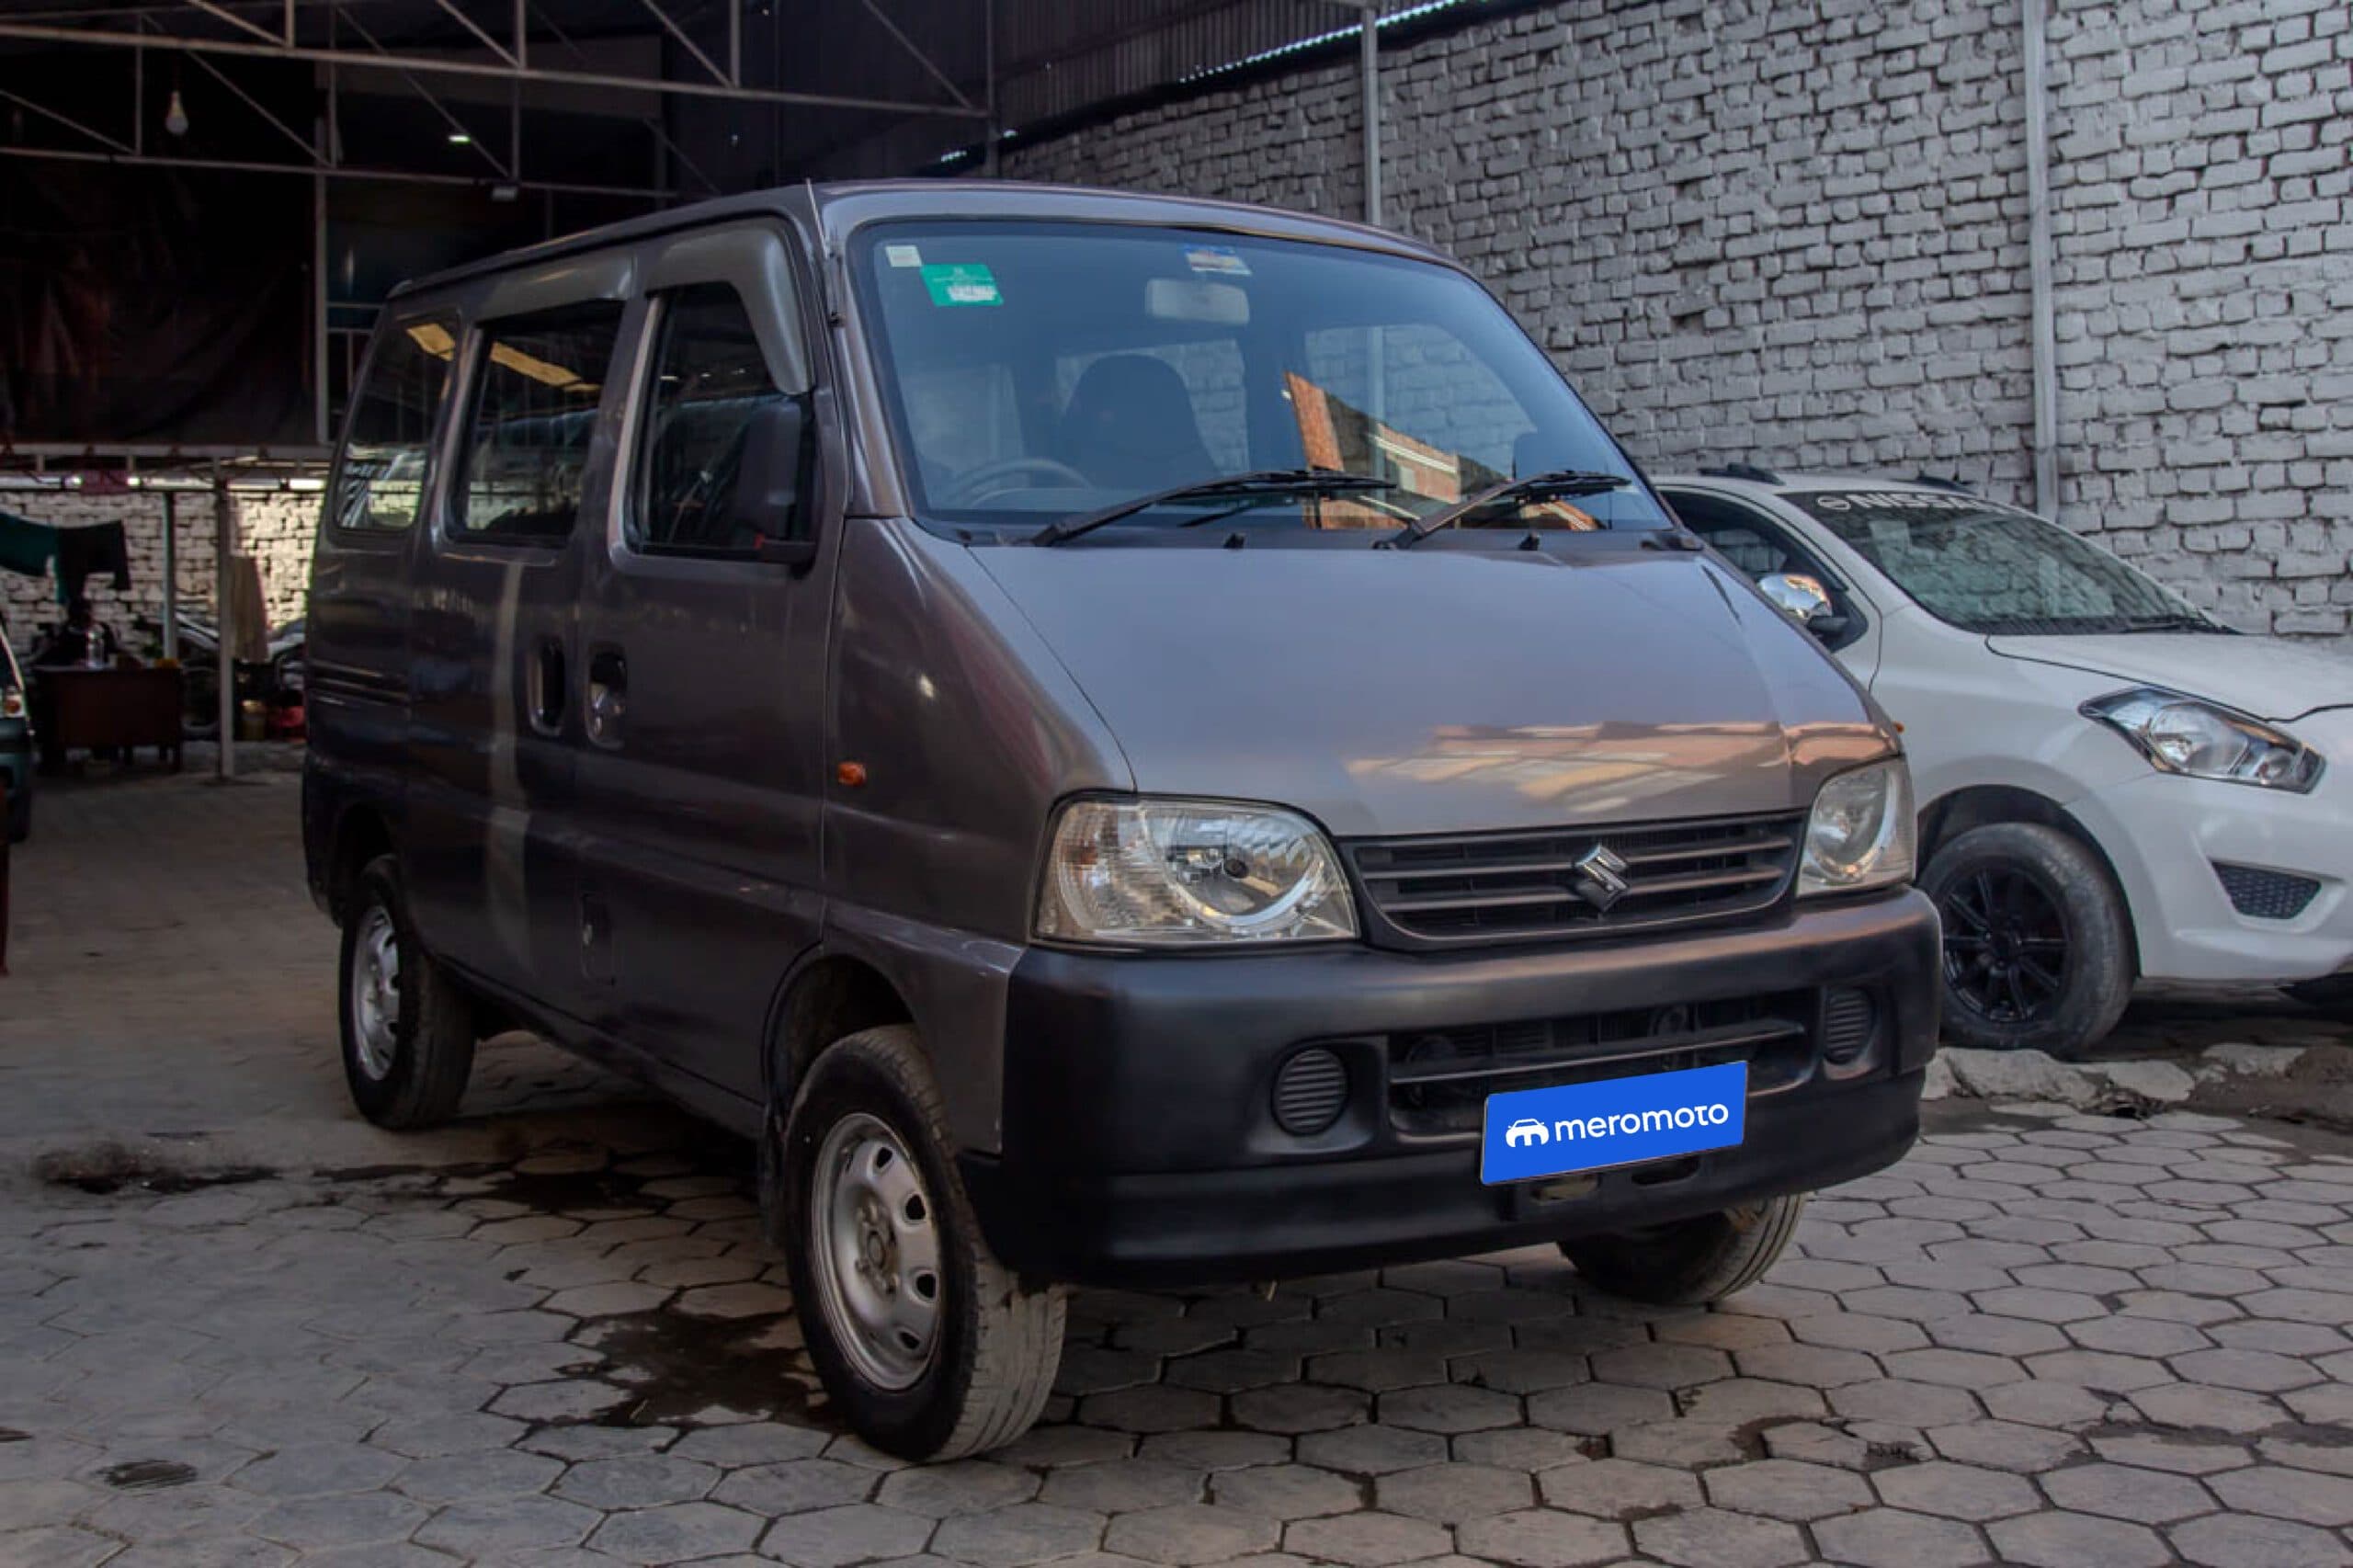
x=1618 y=1121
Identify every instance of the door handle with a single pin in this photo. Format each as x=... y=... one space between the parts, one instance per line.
x=607 y=695
x=545 y=699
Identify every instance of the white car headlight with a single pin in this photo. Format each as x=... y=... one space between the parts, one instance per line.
x=2203 y=740
x=1172 y=873
x=1861 y=832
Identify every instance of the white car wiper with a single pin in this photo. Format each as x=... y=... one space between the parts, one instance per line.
x=1273 y=481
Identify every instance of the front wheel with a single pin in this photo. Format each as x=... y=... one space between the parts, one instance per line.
x=931 y=1347
x=1690 y=1263
x=408 y=1036
x=2036 y=952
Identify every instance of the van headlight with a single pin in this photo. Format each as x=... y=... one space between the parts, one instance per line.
x=1861 y=834
x=1173 y=873
x=2201 y=740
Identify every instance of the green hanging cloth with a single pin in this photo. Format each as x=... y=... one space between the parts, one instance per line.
x=26 y=546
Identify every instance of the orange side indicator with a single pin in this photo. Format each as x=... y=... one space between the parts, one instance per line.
x=850 y=774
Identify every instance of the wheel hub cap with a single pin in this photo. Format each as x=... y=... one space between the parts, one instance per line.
x=375 y=999
x=874 y=1248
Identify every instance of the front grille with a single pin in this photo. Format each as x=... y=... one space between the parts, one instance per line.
x=1439 y=1079
x=2266 y=895
x=1563 y=882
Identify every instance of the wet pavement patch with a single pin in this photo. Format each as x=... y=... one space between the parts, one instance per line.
x=106 y=1167
x=676 y=1367
x=147 y=1475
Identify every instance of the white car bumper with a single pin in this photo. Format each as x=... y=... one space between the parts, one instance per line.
x=2166 y=835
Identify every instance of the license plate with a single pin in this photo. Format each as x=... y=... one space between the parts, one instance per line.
x=1617 y=1121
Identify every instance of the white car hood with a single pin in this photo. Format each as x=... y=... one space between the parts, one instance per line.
x=2263 y=675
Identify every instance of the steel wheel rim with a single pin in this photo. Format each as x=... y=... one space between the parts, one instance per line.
x=2007 y=953
x=376 y=993
x=874 y=1243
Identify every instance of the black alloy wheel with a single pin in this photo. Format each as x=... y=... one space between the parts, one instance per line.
x=2007 y=952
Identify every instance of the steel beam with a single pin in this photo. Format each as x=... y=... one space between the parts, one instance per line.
x=234 y=20
x=100 y=137
x=472 y=27
x=874 y=9
x=688 y=44
x=381 y=176
x=480 y=69
x=247 y=98
x=461 y=129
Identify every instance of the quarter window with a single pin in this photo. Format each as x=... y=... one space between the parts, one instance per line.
x=537 y=387
x=727 y=453
x=379 y=483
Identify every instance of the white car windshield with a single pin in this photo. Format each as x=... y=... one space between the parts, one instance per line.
x=1989 y=569
x=1041 y=371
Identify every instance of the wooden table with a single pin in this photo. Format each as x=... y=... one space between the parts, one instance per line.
x=107 y=709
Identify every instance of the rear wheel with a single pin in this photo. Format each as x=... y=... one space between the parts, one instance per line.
x=408 y=1037
x=1690 y=1263
x=2036 y=952
x=931 y=1347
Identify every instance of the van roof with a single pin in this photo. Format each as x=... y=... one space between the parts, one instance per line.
x=838 y=209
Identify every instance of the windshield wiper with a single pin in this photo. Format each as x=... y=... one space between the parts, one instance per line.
x=2171 y=623
x=1267 y=482
x=1536 y=486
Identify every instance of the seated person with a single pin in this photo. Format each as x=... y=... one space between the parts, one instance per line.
x=84 y=640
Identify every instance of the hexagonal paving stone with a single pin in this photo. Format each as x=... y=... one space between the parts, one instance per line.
x=1123 y=1485
x=455 y=1478
x=834 y=1538
x=1711 y=1538
x=318 y=1470
x=2055 y=1539
x=1454 y=1493
x=2244 y=1541
x=503 y=1527
x=1370 y=1451
x=1955 y=1490
x=1537 y=1537
x=1300 y=1407
x=1660 y=1366
x=1787 y=1489
x=1286 y=1492
x=314 y=1524
x=54 y=1546
x=966 y=1486
x=677 y=1533
x=1368 y=1539
x=795 y=1486
x=1618 y=1489
x=1025 y=1533
x=2005 y=1445
x=2303 y=1495
x=1890 y=1538
x=1448 y=1408
x=1190 y=1533
x=1592 y=1409
x=2151 y=1497
x=2257 y=1371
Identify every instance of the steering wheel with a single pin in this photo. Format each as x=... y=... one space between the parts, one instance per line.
x=981 y=483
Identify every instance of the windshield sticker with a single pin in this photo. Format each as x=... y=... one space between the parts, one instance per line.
x=962 y=283
x=902 y=256
x=1217 y=259
x=1889 y=500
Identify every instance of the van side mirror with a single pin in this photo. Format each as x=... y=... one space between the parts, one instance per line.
x=771 y=500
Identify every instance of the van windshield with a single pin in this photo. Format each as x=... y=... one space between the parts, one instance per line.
x=1040 y=372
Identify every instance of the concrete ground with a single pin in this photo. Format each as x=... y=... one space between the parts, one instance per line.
x=237 y=1326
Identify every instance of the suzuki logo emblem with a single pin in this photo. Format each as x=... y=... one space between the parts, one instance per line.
x=1601 y=877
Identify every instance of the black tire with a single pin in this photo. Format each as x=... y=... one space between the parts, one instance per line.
x=2332 y=993
x=989 y=1361
x=2037 y=953
x=1690 y=1263
x=417 y=1076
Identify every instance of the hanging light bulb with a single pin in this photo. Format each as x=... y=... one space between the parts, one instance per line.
x=175 y=117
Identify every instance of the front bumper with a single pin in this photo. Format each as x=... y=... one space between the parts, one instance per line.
x=2165 y=836
x=1140 y=1142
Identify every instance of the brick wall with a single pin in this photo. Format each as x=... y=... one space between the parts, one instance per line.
x=275 y=527
x=1796 y=233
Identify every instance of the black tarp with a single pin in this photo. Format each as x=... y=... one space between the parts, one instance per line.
x=147 y=305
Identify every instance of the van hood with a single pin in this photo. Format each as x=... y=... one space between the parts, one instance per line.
x=2263 y=675
x=1385 y=692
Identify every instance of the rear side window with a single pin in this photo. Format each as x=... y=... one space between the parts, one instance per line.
x=535 y=397
x=380 y=483
x=727 y=453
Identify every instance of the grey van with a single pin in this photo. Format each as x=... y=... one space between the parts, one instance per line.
x=1120 y=739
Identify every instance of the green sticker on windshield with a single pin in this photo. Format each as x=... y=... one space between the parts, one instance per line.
x=962 y=283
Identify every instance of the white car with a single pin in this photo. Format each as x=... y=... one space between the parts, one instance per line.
x=2111 y=784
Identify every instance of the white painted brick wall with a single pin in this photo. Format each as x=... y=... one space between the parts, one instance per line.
x=275 y=527
x=1796 y=233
